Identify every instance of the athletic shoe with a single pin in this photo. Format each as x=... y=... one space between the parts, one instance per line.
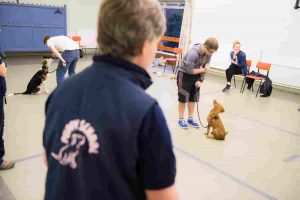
x=227 y=88
x=192 y=123
x=182 y=124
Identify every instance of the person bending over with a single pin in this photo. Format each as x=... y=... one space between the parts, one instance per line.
x=68 y=58
x=190 y=77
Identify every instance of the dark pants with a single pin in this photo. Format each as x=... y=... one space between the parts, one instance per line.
x=71 y=58
x=187 y=91
x=232 y=70
x=250 y=82
x=2 y=151
x=2 y=54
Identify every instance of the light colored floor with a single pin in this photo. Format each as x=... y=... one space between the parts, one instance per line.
x=260 y=158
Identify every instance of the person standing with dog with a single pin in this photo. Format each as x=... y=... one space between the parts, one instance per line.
x=237 y=66
x=190 y=77
x=104 y=136
x=4 y=164
x=68 y=58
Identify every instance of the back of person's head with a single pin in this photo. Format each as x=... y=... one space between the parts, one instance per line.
x=212 y=43
x=46 y=38
x=235 y=42
x=125 y=25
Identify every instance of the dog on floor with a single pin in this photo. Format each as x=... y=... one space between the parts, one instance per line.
x=35 y=83
x=214 y=121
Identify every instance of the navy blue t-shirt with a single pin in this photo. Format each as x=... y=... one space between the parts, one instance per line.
x=2 y=83
x=105 y=138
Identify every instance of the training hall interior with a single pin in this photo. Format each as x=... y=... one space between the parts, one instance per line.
x=260 y=155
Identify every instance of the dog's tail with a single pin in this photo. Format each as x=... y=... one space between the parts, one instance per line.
x=14 y=94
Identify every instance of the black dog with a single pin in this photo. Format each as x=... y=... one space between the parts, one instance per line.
x=35 y=83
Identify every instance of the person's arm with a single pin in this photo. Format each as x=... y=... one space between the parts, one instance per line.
x=242 y=61
x=157 y=161
x=203 y=70
x=169 y=193
x=57 y=54
x=231 y=57
x=206 y=68
x=3 y=69
x=190 y=61
x=45 y=158
x=200 y=71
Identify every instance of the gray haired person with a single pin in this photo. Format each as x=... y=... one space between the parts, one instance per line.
x=104 y=136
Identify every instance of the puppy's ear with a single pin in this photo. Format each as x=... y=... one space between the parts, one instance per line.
x=45 y=62
x=215 y=102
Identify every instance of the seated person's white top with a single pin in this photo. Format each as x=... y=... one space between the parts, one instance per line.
x=62 y=43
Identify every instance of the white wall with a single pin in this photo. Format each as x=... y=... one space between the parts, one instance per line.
x=82 y=17
x=266 y=28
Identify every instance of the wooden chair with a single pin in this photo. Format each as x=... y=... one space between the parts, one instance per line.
x=171 y=55
x=260 y=66
x=174 y=62
x=78 y=39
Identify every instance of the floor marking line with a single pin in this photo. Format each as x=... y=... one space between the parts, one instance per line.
x=265 y=124
x=291 y=158
x=237 y=180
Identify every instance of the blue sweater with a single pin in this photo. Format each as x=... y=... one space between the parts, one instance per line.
x=241 y=56
x=105 y=137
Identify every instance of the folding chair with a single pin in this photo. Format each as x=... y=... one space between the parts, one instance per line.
x=174 y=62
x=248 y=64
x=78 y=39
x=259 y=66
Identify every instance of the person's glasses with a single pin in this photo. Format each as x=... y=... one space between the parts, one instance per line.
x=210 y=51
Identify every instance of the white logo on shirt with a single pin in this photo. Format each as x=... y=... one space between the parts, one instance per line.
x=75 y=134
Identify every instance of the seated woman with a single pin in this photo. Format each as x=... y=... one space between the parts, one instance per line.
x=238 y=64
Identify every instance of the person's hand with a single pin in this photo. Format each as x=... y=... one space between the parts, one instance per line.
x=3 y=69
x=64 y=63
x=198 y=84
x=234 y=62
x=206 y=68
x=235 y=53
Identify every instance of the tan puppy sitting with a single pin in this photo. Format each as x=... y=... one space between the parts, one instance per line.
x=215 y=122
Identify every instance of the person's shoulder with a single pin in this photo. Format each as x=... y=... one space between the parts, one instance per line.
x=134 y=92
x=118 y=80
x=50 y=42
x=196 y=50
x=75 y=84
x=242 y=53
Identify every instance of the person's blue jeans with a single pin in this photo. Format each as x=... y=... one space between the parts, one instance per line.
x=71 y=58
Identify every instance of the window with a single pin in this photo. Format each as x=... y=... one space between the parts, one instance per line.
x=174 y=15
